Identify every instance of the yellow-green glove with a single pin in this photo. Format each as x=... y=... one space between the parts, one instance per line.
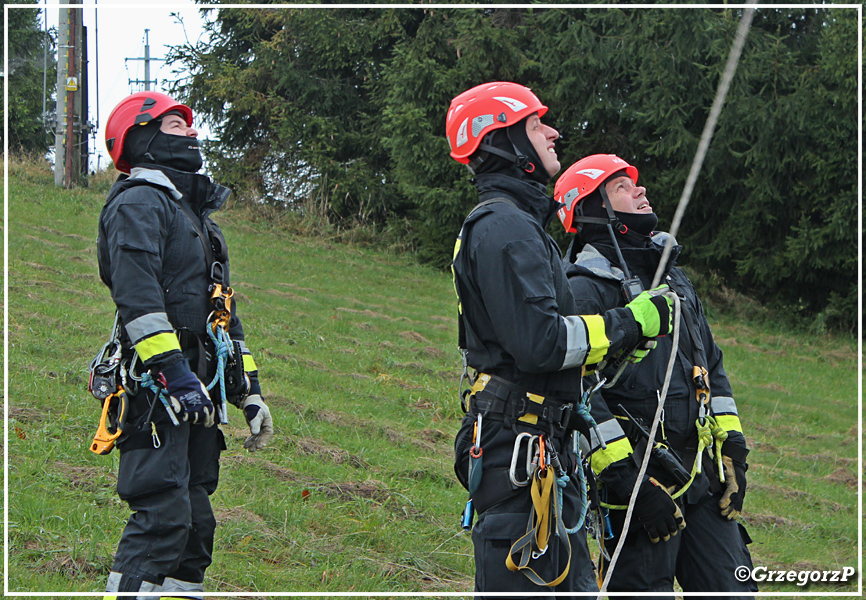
x=652 y=310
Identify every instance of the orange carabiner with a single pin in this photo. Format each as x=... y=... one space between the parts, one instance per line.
x=103 y=441
x=222 y=303
x=475 y=451
x=541 y=464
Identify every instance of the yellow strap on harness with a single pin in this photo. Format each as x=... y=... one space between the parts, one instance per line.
x=544 y=516
x=481 y=383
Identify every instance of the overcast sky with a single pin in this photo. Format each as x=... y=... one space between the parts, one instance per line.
x=115 y=34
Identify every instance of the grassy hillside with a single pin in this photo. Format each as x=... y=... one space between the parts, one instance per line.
x=357 y=358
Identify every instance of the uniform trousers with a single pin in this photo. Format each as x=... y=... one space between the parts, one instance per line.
x=166 y=478
x=702 y=557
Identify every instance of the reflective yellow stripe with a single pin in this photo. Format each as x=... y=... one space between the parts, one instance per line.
x=729 y=422
x=529 y=417
x=109 y=598
x=157 y=344
x=598 y=342
x=602 y=459
x=454 y=273
x=249 y=363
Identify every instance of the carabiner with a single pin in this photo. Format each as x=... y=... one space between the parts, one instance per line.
x=155 y=436
x=515 y=454
x=541 y=461
x=476 y=451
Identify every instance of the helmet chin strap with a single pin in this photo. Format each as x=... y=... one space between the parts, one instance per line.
x=612 y=220
x=147 y=153
x=520 y=160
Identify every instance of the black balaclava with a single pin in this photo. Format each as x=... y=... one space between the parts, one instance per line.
x=146 y=144
x=514 y=141
x=642 y=224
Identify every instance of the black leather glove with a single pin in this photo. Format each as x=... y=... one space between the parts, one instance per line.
x=654 y=507
x=657 y=511
x=189 y=396
x=734 y=462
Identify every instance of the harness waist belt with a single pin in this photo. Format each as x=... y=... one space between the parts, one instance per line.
x=494 y=396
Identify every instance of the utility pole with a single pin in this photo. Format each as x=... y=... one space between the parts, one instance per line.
x=70 y=130
x=146 y=58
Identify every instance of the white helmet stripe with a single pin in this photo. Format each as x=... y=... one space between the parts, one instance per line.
x=513 y=104
x=462 y=138
x=592 y=173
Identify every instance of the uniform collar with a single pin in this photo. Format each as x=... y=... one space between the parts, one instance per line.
x=529 y=196
x=203 y=195
x=156 y=178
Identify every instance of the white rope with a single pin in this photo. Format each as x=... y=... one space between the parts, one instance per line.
x=652 y=433
x=703 y=145
x=706 y=136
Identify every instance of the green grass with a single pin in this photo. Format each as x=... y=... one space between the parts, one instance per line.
x=356 y=351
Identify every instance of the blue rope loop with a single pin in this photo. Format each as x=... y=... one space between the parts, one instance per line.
x=223 y=344
x=582 y=408
x=159 y=392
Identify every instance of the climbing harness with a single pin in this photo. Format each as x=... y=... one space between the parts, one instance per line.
x=462 y=326
x=233 y=382
x=535 y=463
x=629 y=509
x=703 y=145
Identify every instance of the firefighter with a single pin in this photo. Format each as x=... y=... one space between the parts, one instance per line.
x=524 y=337
x=614 y=255
x=162 y=257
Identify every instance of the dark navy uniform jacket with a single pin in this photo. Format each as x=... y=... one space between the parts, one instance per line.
x=152 y=259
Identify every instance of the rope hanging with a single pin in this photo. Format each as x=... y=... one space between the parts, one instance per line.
x=703 y=145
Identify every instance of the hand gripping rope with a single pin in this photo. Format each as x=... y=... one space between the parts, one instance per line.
x=703 y=145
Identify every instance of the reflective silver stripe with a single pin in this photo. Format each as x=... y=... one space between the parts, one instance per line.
x=176 y=585
x=156 y=177
x=723 y=405
x=244 y=349
x=113 y=584
x=148 y=325
x=576 y=342
x=609 y=430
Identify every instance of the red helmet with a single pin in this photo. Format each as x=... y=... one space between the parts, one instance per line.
x=138 y=109
x=486 y=107
x=582 y=178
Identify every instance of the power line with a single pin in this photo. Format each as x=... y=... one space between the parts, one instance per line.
x=147 y=58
